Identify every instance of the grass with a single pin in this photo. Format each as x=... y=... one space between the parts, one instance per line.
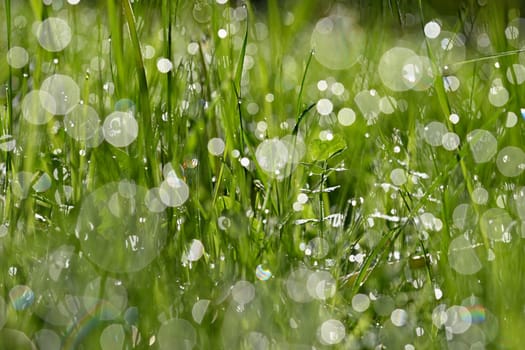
x=241 y=206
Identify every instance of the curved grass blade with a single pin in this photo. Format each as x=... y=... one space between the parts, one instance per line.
x=143 y=93
x=301 y=88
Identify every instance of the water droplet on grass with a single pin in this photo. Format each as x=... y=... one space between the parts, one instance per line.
x=32 y=107
x=193 y=48
x=64 y=91
x=360 y=302
x=272 y=156
x=399 y=317
x=400 y=69
x=324 y=106
x=498 y=95
x=164 y=65
x=82 y=122
x=321 y=285
x=54 y=34
x=495 y=223
x=135 y=236
x=199 y=310
x=512 y=120
x=451 y=83
x=112 y=337
x=120 y=129
x=222 y=33
x=43 y=183
x=398 y=177
x=196 y=250
x=439 y=315
x=462 y=256
x=216 y=146
x=480 y=196
x=174 y=192
x=331 y=332
x=202 y=12
x=262 y=274
x=438 y=293
x=21 y=297
x=224 y=223
x=450 y=141
x=153 y=201
x=458 y=319
x=337 y=89
x=434 y=132
x=432 y=29
x=243 y=292
x=512 y=33
x=148 y=52
x=337 y=41
x=17 y=57
x=368 y=103
x=322 y=85
x=511 y=161
x=109 y=301
x=387 y=104
x=296 y=285
x=483 y=145
x=516 y=74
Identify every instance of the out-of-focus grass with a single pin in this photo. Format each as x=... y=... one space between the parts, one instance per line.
x=373 y=232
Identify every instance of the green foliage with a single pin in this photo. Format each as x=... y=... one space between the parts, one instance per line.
x=296 y=190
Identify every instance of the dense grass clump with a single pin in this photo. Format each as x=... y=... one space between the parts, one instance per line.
x=262 y=175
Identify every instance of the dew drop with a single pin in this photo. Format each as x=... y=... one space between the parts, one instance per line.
x=346 y=116
x=82 y=122
x=516 y=74
x=199 y=310
x=360 y=302
x=33 y=107
x=120 y=129
x=54 y=34
x=21 y=297
x=331 y=332
x=243 y=292
x=512 y=120
x=483 y=145
x=450 y=141
x=324 y=106
x=63 y=94
x=432 y=29
x=196 y=250
x=399 y=317
x=462 y=256
x=398 y=177
x=164 y=65
x=262 y=274
x=511 y=161
x=216 y=146
x=112 y=337
x=434 y=132
x=498 y=95
x=17 y=57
